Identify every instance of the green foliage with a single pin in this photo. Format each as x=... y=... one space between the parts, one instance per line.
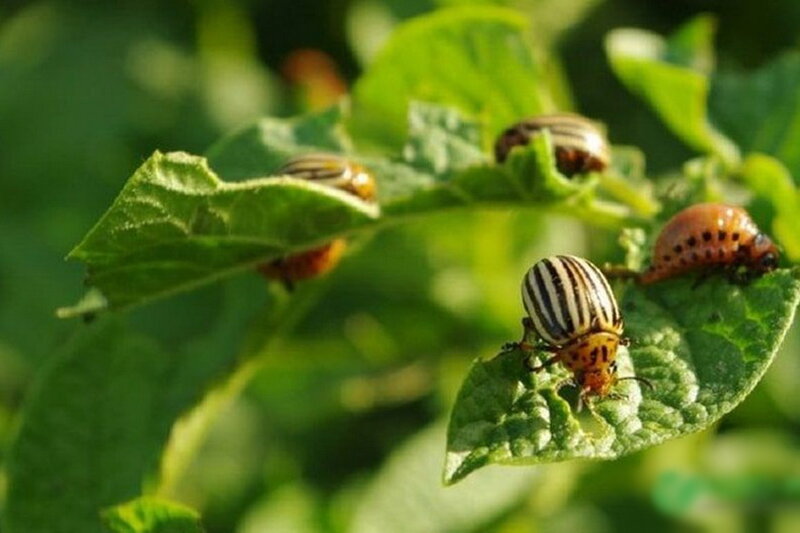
x=92 y=424
x=151 y=515
x=135 y=406
x=475 y=58
x=671 y=75
x=262 y=148
x=122 y=408
x=390 y=506
x=175 y=225
x=769 y=180
x=759 y=110
x=703 y=349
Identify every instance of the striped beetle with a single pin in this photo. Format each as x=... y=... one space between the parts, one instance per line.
x=580 y=144
x=334 y=171
x=705 y=236
x=572 y=309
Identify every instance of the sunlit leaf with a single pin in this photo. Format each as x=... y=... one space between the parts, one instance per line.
x=770 y=180
x=703 y=349
x=151 y=515
x=176 y=225
x=477 y=59
x=672 y=76
x=407 y=495
x=260 y=149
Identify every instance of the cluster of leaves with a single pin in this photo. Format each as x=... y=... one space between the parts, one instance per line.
x=183 y=221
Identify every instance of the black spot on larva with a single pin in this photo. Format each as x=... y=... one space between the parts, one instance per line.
x=574 y=357
x=683 y=261
x=605 y=353
x=721 y=235
x=735 y=236
x=584 y=345
x=695 y=257
x=667 y=258
x=721 y=253
x=678 y=248
x=706 y=236
x=594 y=356
x=708 y=253
x=691 y=241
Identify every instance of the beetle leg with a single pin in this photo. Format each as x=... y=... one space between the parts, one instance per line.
x=642 y=380
x=518 y=345
x=522 y=344
x=527 y=327
x=741 y=276
x=549 y=362
x=616 y=396
x=582 y=400
x=702 y=277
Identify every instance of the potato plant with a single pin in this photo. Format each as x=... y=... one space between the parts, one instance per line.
x=377 y=397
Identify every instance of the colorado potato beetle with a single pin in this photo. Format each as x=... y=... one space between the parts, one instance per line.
x=333 y=171
x=580 y=144
x=571 y=308
x=711 y=236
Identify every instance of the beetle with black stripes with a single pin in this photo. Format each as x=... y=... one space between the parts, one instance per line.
x=572 y=309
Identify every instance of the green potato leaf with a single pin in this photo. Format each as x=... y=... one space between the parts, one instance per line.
x=260 y=150
x=703 y=350
x=760 y=110
x=477 y=59
x=389 y=506
x=672 y=76
x=768 y=179
x=90 y=430
x=152 y=515
x=176 y=225
x=115 y=415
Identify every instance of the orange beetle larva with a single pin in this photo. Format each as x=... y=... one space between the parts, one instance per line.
x=580 y=144
x=708 y=236
x=334 y=171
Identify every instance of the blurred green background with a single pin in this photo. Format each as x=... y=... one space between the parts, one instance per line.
x=342 y=428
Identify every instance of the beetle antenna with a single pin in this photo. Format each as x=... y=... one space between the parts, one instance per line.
x=640 y=380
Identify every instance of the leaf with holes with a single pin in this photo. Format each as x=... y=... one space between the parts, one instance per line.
x=702 y=349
